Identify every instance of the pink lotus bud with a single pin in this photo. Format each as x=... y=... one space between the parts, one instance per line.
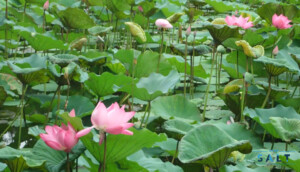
x=188 y=31
x=46 y=5
x=281 y=22
x=141 y=9
x=72 y=113
x=113 y=120
x=60 y=138
x=163 y=23
x=275 y=51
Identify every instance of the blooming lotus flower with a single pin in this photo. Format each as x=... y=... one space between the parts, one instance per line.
x=60 y=138
x=46 y=5
x=163 y=23
x=275 y=50
x=113 y=120
x=281 y=21
x=240 y=22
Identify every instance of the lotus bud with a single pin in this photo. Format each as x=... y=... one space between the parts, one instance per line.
x=221 y=49
x=188 y=31
x=141 y=9
x=275 y=51
x=46 y=5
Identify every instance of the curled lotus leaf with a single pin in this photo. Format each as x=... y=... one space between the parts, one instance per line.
x=137 y=31
x=175 y=17
x=275 y=67
x=249 y=51
x=219 y=21
x=287 y=129
x=78 y=44
x=233 y=86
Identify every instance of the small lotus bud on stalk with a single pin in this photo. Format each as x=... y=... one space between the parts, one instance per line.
x=275 y=51
x=141 y=9
x=46 y=5
x=188 y=31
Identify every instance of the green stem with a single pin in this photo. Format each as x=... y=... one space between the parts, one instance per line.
x=237 y=64
x=161 y=48
x=209 y=81
x=185 y=66
x=243 y=100
x=24 y=88
x=68 y=163
x=104 y=155
x=58 y=87
x=176 y=152
x=264 y=136
x=268 y=94
x=58 y=103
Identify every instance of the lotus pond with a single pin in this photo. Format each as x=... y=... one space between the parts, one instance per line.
x=149 y=85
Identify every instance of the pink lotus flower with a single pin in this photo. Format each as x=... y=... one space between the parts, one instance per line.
x=141 y=9
x=275 y=51
x=281 y=22
x=46 y=5
x=60 y=138
x=240 y=22
x=163 y=23
x=113 y=120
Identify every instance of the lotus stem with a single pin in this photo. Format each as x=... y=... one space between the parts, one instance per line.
x=104 y=155
x=185 y=63
x=264 y=136
x=68 y=94
x=268 y=93
x=146 y=122
x=161 y=48
x=243 y=100
x=44 y=20
x=209 y=81
x=47 y=116
x=58 y=103
x=247 y=69
x=192 y=71
x=237 y=64
x=22 y=115
x=251 y=64
x=176 y=152
x=68 y=163
x=143 y=118
x=220 y=68
x=272 y=143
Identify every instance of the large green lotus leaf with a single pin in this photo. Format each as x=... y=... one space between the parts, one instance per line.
x=240 y=168
x=175 y=106
x=82 y=107
x=106 y=83
x=127 y=57
x=218 y=114
x=116 y=67
x=60 y=73
x=158 y=82
x=147 y=63
x=266 y=11
x=116 y=147
x=19 y=160
x=153 y=164
x=292 y=102
x=197 y=51
x=34 y=61
x=233 y=101
x=62 y=59
x=276 y=92
x=293 y=160
x=10 y=83
x=55 y=160
x=96 y=30
x=223 y=6
x=92 y=58
x=262 y=116
x=276 y=67
x=148 y=8
x=178 y=126
x=287 y=129
x=222 y=32
x=76 y=18
x=30 y=76
x=40 y=41
x=286 y=56
x=253 y=38
x=210 y=145
x=239 y=132
x=2 y=166
x=179 y=63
